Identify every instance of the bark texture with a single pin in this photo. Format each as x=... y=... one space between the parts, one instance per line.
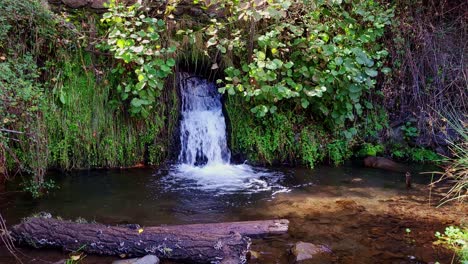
x=193 y=245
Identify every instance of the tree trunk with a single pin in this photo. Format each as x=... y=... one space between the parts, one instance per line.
x=193 y=245
x=197 y=243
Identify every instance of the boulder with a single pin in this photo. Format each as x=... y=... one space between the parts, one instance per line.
x=99 y=4
x=75 y=3
x=310 y=253
x=148 y=259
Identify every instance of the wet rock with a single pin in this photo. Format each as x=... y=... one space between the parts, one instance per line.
x=75 y=3
x=196 y=11
x=148 y=259
x=356 y=180
x=442 y=138
x=310 y=253
x=99 y=4
x=253 y=255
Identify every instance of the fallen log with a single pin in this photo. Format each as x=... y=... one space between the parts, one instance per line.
x=196 y=243
x=186 y=246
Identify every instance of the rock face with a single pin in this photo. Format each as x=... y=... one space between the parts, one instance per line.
x=184 y=7
x=310 y=253
x=149 y=259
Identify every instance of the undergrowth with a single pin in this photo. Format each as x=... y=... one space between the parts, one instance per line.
x=456 y=239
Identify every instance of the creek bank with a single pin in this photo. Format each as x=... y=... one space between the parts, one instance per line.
x=360 y=225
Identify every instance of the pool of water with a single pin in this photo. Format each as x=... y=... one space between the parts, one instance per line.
x=349 y=208
x=152 y=197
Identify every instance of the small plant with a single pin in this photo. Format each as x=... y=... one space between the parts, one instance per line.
x=369 y=149
x=408 y=237
x=37 y=190
x=338 y=151
x=409 y=131
x=423 y=155
x=310 y=146
x=417 y=154
x=456 y=239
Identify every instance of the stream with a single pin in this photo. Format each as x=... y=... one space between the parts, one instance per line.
x=360 y=214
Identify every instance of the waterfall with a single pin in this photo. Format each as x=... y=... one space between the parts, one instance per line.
x=204 y=156
x=202 y=126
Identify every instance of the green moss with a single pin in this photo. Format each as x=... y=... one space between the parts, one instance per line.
x=268 y=140
x=87 y=128
x=286 y=137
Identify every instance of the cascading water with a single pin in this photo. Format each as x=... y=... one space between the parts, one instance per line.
x=202 y=127
x=204 y=158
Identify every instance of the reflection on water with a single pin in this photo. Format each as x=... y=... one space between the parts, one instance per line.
x=189 y=195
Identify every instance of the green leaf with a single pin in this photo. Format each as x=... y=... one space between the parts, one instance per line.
x=273 y=109
x=368 y=105
x=271 y=65
x=338 y=61
x=355 y=89
x=211 y=42
x=386 y=70
x=136 y=102
x=170 y=62
x=62 y=97
x=261 y=55
x=358 y=108
x=161 y=22
x=304 y=103
x=165 y=68
x=120 y=43
x=371 y=72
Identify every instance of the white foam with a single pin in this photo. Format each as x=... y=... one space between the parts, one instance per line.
x=225 y=178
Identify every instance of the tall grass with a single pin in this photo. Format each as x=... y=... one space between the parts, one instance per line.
x=86 y=128
x=457 y=169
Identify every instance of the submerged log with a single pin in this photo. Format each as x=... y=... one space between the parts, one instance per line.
x=189 y=246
